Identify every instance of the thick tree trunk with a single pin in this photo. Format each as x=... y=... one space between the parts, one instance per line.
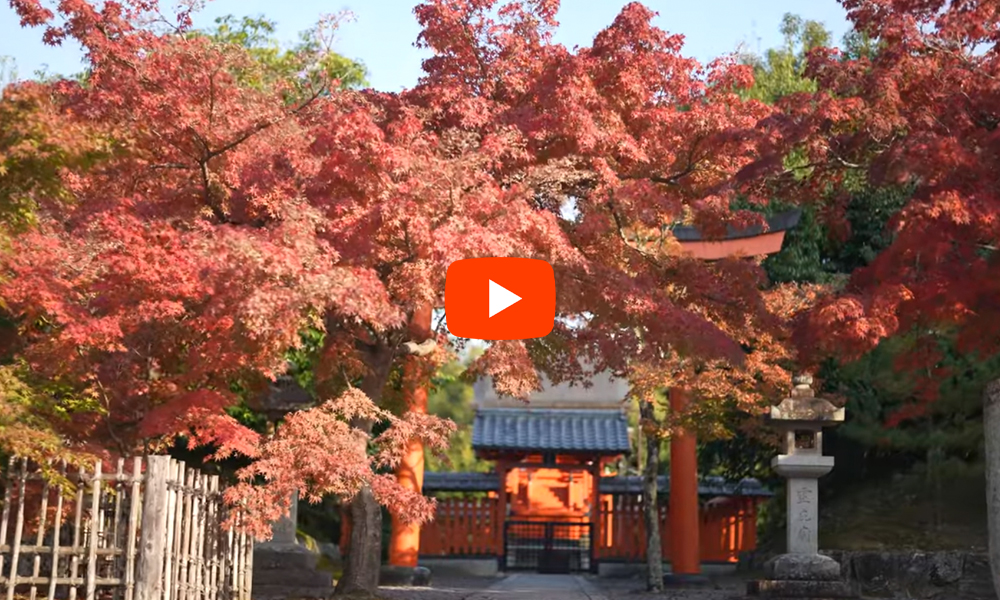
x=991 y=433
x=363 y=562
x=650 y=502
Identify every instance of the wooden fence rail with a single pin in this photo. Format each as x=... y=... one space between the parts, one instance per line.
x=151 y=529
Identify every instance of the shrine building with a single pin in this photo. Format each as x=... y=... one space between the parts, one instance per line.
x=554 y=500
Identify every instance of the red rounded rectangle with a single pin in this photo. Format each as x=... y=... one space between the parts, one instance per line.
x=500 y=298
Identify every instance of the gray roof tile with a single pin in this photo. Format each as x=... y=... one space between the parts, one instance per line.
x=626 y=485
x=557 y=430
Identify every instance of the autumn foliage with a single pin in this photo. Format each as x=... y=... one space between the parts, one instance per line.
x=919 y=110
x=232 y=210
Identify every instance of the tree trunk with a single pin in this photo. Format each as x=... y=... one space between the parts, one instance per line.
x=363 y=562
x=991 y=434
x=650 y=502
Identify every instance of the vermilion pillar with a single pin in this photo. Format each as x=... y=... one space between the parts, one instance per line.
x=404 y=542
x=685 y=521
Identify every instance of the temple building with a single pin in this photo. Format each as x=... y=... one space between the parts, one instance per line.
x=554 y=501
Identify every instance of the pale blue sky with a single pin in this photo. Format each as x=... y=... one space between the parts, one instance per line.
x=382 y=36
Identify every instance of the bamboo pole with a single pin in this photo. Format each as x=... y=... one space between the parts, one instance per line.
x=74 y=563
x=169 y=568
x=194 y=573
x=56 y=527
x=95 y=520
x=247 y=564
x=186 y=539
x=8 y=484
x=229 y=563
x=214 y=546
x=39 y=538
x=18 y=529
x=116 y=529
x=179 y=470
x=133 y=524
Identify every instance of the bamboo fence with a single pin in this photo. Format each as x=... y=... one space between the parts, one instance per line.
x=149 y=529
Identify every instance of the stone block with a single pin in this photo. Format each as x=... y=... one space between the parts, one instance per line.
x=281 y=558
x=283 y=571
x=391 y=575
x=947 y=575
x=299 y=577
x=802 y=567
x=421 y=576
x=801 y=590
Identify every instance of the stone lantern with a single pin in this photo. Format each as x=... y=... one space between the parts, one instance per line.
x=283 y=567
x=802 y=572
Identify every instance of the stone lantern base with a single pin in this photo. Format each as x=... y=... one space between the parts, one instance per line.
x=283 y=571
x=805 y=576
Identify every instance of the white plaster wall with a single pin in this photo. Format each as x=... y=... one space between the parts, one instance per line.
x=606 y=392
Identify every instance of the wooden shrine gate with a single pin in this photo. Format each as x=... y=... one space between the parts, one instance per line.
x=548 y=546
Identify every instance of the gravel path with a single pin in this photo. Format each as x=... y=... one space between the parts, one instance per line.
x=519 y=586
x=531 y=586
x=724 y=588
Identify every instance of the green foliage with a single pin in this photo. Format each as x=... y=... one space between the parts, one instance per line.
x=739 y=456
x=781 y=70
x=451 y=397
x=803 y=257
x=35 y=152
x=812 y=253
x=876 y=390
x=858 y=45
x=306 y=62
x=31 y=412
x=302 y=361
x=868 y=213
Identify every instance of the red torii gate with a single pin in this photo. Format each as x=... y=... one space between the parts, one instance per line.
x=404 y=542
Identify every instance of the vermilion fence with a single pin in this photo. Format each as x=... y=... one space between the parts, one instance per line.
x=463 y=527
x=473 y=527
x=727 y=529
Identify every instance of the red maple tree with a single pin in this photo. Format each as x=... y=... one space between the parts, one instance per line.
x=921 y=109
x=229 y=216
x=190 y=257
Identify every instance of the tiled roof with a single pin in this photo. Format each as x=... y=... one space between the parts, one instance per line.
x=554 y=430
x=780 y=222
x=708 y=486
x=460 y=482
x=631 y=484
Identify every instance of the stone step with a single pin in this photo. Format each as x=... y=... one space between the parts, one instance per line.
x=283 y=592
x=282 y=560
x=297 y=577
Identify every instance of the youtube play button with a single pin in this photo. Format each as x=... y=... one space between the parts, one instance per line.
x=500 y=298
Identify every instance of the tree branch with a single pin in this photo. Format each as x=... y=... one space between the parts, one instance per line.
x=422 y=349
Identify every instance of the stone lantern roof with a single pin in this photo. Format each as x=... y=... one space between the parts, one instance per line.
x=284 y=395
x=804 y=407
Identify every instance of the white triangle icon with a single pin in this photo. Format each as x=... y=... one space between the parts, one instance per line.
x=501 y=298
